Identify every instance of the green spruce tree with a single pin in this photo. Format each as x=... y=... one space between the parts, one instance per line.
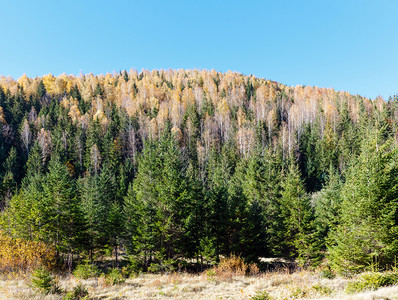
x=298 y=216
x=367 y=234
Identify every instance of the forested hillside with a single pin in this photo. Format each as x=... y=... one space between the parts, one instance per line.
x=197 y=164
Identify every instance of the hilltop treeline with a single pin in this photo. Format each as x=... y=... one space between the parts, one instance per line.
x=197 y=164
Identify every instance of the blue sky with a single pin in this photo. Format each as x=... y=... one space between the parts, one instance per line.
x=349 y=45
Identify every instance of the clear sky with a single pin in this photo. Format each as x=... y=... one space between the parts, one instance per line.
x=349 y=45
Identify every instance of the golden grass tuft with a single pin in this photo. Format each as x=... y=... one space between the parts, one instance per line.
x=231 y=267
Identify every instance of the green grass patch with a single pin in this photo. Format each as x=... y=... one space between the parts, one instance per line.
x=372 y=281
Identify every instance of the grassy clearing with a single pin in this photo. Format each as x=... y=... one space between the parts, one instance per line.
x=277 y=285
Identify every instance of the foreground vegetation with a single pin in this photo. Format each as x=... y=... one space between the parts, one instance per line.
x=226 y=284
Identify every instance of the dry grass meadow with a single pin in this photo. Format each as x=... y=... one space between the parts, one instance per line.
x=278 y=285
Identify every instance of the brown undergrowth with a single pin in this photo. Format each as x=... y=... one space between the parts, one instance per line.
x=230 y=267
x=22 y=256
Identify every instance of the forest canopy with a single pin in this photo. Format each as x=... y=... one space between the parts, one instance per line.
x=183 y=164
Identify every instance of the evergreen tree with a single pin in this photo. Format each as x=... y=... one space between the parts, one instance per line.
x=298 y=216
x=140 y=229
x=159 y=202
x=23 y=217
x=94 y=208
x=310 y=159
x=195 y=212
x=10 y=166
x=131 y=213
x=367 y=234
x=260 y=179
x=327 y=204
x=41 y=89
x=223 y=207
x=62 y=218
x=115 y=227
x=254 y=234
x=34 y=165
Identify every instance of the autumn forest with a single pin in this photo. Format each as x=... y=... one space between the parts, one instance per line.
x=177 y=166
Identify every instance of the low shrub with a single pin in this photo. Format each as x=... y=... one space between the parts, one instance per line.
x=299 y=292
x=133 y=267
x=211 y=274
x=19 y=255
x=322 y=290
x=372 y=281
x=163 y=266
x=78 y=292
x=114 y=277
x=232 y=266
x=86 y=270
x=261 y=295
x=327 y=273
x=44 y=282
x=253 y=270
